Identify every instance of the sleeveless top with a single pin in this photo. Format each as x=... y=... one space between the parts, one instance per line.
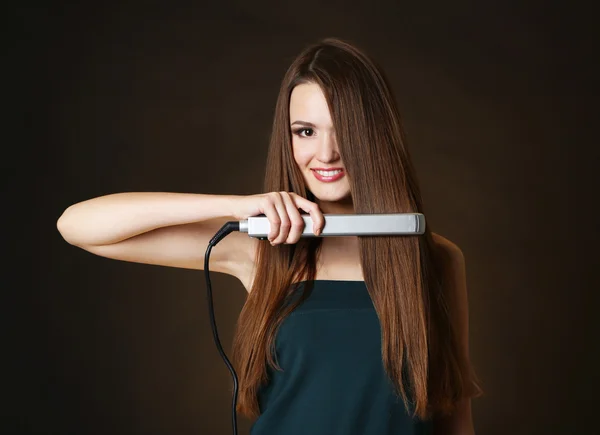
x=333 y=379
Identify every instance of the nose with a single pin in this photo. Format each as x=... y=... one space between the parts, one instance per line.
x=328 y=151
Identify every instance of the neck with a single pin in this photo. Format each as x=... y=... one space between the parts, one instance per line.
x=339 y=257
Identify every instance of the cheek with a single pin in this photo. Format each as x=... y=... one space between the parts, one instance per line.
x=302 y=157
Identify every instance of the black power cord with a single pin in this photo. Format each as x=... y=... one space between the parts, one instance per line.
x=226 y=229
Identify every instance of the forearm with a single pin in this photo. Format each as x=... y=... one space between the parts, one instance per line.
x=112 y=218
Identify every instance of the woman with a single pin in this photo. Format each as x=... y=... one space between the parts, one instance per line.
x=348 y=335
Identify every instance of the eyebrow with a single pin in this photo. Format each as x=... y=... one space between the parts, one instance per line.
x=304 y=123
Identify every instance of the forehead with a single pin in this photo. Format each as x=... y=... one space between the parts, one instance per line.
x=307 y=103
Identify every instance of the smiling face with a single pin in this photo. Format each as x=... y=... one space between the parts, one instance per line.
x=315 y=149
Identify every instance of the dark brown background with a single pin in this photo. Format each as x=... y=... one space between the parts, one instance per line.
x=146 y=97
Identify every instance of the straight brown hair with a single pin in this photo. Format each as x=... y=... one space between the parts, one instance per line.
x=420 y=348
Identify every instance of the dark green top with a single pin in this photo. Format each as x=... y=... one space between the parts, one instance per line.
x=333 y=380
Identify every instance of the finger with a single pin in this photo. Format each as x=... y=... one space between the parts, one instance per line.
x=272 y=215
x=297 y=223
x=318 y=221
x=285 y=223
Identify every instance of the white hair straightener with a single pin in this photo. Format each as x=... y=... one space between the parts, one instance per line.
x=347 y=225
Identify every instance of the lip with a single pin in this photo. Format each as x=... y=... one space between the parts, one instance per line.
x=328 y=179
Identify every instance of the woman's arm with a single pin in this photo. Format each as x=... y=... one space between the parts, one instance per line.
x=161 y=228
x=461 y=421
x=113 y=218
x=174 y=229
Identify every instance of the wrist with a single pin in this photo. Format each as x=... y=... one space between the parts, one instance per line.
x=231 y=206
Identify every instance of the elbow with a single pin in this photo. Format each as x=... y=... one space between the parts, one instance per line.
x=65 y=228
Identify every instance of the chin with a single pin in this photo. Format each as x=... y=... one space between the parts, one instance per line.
x=331 y=196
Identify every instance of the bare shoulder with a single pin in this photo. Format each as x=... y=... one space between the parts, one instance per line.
x=452 y=254
x=455 y=280
x=453 y=266
x=446 y=244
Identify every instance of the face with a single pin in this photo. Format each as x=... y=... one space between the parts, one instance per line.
x=315 y=149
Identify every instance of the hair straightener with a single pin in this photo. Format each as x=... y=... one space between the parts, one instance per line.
x=347 y=225
x=392 y=224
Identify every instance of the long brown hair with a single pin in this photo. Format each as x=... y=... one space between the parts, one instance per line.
x=419 y=346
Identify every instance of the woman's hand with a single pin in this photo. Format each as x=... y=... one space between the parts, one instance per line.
x=282 y=211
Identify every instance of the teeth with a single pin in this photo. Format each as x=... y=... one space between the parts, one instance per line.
x=328 y=173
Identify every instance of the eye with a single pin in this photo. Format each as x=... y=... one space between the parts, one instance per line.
x=304 y=132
